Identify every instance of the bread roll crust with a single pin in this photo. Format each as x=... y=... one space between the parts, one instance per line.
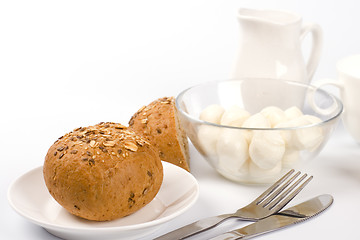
x=159 y=123
x=102 y=172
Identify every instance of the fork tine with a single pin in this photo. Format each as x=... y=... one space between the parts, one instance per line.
x=279 y=205
x=273 y=187
x=284 y=193
x=279 y=190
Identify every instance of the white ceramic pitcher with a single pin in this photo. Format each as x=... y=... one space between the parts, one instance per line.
x=271 y=46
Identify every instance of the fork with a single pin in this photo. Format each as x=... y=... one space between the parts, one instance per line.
x=269 y=202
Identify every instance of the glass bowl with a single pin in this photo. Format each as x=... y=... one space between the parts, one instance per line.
x=254 y=130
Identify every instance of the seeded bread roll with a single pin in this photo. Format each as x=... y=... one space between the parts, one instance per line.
x=102 y=172
x=159 y=123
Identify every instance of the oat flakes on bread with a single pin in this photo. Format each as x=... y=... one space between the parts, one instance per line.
x=102 y=172
x=159 y=123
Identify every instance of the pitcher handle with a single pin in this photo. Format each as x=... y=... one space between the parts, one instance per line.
x=317 y=41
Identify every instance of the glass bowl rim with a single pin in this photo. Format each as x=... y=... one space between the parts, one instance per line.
x=307 y=86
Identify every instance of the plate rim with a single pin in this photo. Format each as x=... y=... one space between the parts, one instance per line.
x=140 y=226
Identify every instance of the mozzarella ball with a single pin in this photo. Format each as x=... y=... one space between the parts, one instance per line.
x=212 y=113
x=244 y=170
x=274 y=114
x=234 y=116
x=232 y=149
x=305 y=138
x=208 y=136
x=260 y=174
x=266 y=149
x=285 y=134
x=292 y=113
x=256 y=121
x=291 y=158
x=241 y=174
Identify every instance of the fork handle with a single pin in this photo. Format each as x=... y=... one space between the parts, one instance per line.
x=195 y=227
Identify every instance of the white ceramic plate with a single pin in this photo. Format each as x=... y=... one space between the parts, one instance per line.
x=30 y=198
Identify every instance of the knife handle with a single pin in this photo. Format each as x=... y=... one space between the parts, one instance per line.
x=195 y=227
x=229 y=236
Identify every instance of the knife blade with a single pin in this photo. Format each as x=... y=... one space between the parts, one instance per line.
x=290 y=216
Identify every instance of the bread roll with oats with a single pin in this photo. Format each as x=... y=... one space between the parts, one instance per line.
x=102 y=172
x=159 y=123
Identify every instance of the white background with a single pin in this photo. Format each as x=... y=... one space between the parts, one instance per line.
x=65 y=64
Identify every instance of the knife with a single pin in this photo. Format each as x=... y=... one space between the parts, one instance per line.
x=295 y=214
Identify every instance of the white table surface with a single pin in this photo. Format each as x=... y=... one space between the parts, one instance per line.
x=65 y=64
